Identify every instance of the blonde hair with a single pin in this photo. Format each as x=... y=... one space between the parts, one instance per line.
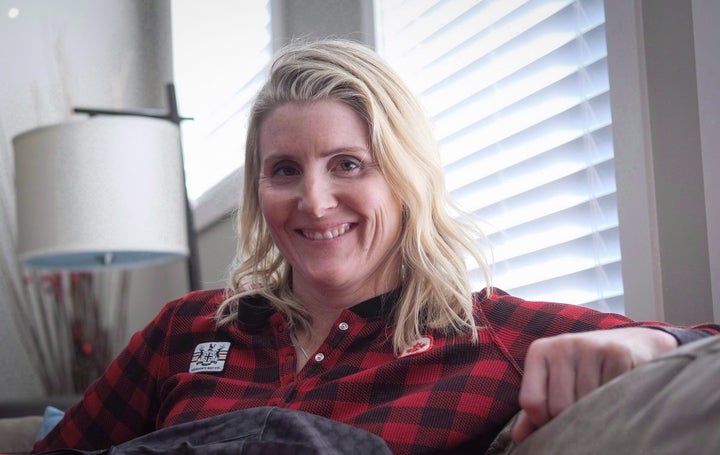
x=435 y=287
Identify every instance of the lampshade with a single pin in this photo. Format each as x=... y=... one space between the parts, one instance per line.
x=103 y=192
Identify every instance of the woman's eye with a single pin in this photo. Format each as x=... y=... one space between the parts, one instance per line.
x=348 y=165
x=284 y=170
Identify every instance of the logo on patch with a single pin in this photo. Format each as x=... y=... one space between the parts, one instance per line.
x=209 y=357
x=423 y=344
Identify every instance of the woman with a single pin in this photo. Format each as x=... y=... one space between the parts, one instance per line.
x=350 y=299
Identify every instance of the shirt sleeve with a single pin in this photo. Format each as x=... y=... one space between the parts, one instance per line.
x=516 y=323
x=685 y=335
x=122 y=403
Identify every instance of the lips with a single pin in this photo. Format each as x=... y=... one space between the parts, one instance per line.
x=325 y=234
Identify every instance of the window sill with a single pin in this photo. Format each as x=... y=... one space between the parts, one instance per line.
x=218 y=202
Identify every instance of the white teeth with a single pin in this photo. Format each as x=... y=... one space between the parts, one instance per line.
x=327 y=235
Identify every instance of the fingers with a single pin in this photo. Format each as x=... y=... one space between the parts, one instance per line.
x=616 y=361
x=589 y=373
x=523 y=427
x=562 y=369
x=534 y=387
x=550 y=383
x=556 y=376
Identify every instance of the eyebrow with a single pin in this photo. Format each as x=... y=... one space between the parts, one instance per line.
x=332 y=152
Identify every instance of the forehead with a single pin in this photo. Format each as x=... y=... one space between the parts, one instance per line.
x=317 y=123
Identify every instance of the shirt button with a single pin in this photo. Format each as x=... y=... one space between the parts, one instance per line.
x=319 y=357
x=343 y=326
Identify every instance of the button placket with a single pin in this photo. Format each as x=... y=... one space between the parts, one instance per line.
x=342 y=327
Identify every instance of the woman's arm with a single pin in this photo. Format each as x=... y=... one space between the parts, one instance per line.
x=123 y=402
x=562 y=369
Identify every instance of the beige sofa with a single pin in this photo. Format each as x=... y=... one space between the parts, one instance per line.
x=17 y=434
x=20 y=421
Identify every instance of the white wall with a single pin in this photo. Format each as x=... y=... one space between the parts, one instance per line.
x=352 y=19
x=56 y=55
x=663 y=88
x=706 y=16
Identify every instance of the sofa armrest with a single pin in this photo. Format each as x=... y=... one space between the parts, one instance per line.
x=18 y=434
x=36 y=406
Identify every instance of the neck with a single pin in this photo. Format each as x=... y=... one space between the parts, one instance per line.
x=327 y=302
x=324 y=309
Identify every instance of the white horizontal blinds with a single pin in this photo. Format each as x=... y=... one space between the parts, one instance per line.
x=220 y=51
x=518 y=92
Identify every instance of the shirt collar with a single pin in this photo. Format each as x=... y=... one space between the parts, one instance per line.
x=255 y=310
x=378 y=307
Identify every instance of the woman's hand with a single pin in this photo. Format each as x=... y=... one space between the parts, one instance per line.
x=562 y=369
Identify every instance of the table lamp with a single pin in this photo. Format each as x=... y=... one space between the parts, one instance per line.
x=104 y=192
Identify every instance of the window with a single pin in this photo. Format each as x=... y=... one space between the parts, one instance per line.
x=518 y=92
x=220 y=52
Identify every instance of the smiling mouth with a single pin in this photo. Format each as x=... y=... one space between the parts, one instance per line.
x=328 y=234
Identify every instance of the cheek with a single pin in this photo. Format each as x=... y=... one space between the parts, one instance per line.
x=271 y=207
x=396 y=218
x=389 y=210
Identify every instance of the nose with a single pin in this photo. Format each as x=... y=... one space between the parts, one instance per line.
x=317 y=194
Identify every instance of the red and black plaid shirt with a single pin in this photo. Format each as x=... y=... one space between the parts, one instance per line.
x=449 y=394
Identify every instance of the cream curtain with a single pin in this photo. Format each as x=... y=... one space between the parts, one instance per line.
x=17 y=341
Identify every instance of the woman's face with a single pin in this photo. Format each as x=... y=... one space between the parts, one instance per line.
x=329 y=209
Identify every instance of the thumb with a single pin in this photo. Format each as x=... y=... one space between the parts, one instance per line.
x=523 y=427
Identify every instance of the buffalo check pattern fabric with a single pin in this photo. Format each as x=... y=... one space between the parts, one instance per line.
x=454 y=396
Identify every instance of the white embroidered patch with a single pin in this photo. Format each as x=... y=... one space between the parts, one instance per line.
x=209 y=357
x=423 y=344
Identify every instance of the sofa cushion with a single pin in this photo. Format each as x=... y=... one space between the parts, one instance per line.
x=18 y=434
x=51 y=417
x=670 y=405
